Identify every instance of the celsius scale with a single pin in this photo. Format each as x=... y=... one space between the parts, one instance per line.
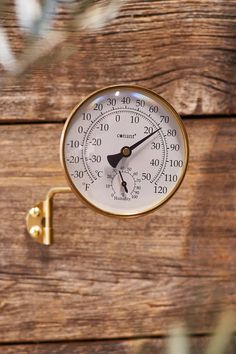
x=124 y=151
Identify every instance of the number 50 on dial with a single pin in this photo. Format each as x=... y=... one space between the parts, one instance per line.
x=124 y=150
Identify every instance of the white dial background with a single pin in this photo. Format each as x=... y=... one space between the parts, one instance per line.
x=110 y=120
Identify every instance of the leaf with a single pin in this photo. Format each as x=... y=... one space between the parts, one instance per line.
x=96 y=16
x=48 y=13
x=178 y=341
x=38 y=50
x=7 y=58
x=225 y=329
x=27 y=16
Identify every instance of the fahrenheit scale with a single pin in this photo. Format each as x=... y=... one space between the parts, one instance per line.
x=124 y=150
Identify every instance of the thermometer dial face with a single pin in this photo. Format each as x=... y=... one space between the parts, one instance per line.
x=124 y=150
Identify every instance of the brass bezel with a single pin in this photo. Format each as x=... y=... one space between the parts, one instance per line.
x=186 y=144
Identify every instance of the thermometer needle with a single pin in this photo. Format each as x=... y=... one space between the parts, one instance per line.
x=127 y=150
x=124 y=184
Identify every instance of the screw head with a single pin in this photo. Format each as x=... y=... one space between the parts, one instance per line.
x=35 y=212
x=125 y=151
x=35 y=231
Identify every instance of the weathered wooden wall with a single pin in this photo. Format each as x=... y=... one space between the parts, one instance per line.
x=109 y=279
x=185 y=50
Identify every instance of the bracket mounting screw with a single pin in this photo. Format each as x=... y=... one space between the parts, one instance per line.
x=35 y=212
x=35 y=231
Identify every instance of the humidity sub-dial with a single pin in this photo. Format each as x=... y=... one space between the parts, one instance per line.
x=125 y=185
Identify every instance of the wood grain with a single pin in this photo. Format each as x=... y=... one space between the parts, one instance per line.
x=184 y=51
x=105 y=278
x=140 y=346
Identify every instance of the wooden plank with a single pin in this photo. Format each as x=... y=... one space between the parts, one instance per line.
x=185 y=52
x=140 y=346
x=106 y=278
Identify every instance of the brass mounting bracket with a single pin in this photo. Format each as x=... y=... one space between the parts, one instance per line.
x=39 y=219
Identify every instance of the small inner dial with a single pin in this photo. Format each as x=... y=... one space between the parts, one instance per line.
x=124 y=150
x=125 y=184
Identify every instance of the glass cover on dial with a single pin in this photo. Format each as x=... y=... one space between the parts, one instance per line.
x=124 y=150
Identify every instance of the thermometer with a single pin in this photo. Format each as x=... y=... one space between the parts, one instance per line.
x=124 y=150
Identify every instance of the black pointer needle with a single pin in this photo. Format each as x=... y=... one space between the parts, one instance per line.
x=124 y=184
x=127 y=150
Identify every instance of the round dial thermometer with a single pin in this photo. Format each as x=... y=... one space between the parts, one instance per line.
x=124 y=150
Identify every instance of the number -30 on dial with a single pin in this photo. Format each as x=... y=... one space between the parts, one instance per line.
x=124 y=150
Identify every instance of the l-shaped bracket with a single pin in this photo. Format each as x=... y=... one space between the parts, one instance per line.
x=39 y=220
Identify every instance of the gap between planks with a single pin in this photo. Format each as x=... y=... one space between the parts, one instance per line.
x=186 y=117
x=98 y=340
